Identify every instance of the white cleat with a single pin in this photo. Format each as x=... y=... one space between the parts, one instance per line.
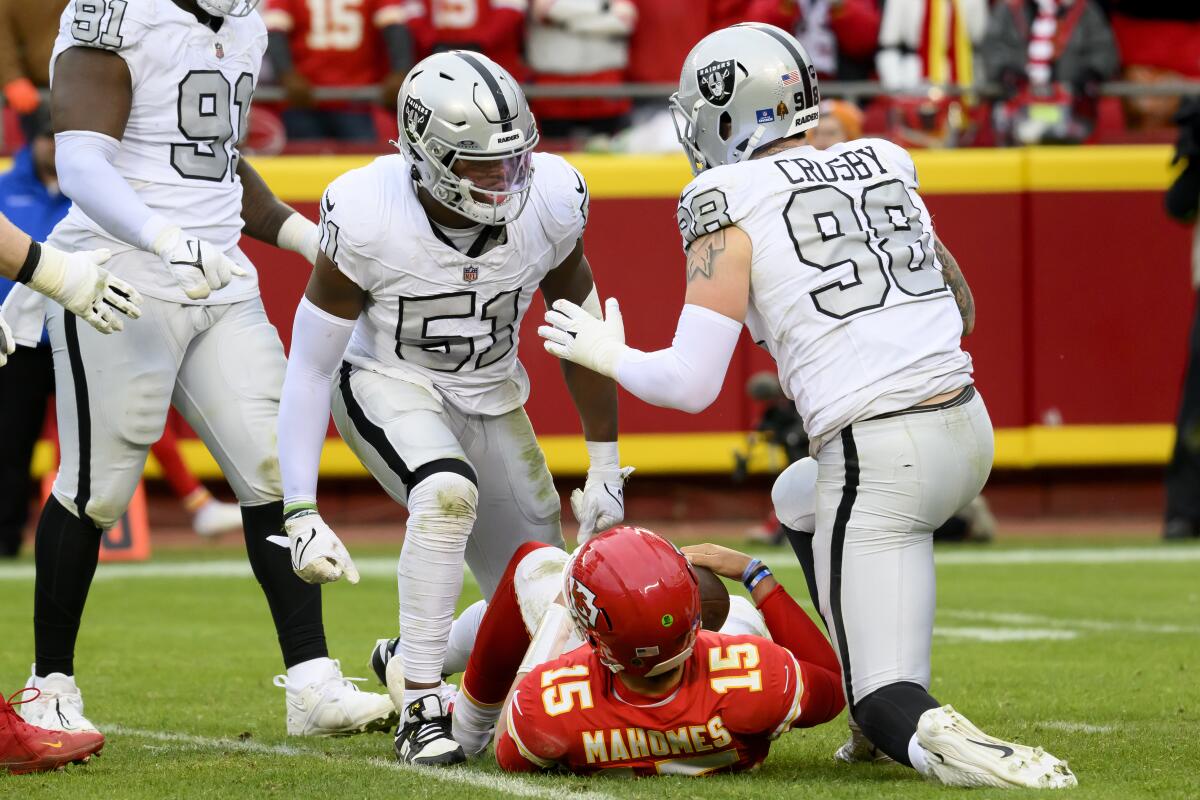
x=334 y=706
x=59 y=707
x=858 y=749
x=959 y=754
x=214 y=518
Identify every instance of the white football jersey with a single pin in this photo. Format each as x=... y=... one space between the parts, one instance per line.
x=435 y=316
x=846 y=292
x=192 y=88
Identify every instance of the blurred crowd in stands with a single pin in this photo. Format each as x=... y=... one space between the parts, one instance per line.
x=954 y=72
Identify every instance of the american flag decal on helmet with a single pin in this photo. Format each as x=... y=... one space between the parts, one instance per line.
x=471 y=273
x=790 y=78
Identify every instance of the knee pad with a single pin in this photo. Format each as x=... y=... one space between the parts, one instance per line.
x=441 y=510
x=794 y=496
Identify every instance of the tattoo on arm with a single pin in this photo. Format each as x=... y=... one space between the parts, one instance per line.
x=703 y=253
x=958 y=286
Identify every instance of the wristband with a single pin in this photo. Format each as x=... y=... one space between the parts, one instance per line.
x=298 y=507
x=32 y=259
x=755 y=571
x=299 y=234
x=603 y=455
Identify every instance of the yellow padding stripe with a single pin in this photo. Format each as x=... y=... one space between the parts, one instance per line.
x=713 y=453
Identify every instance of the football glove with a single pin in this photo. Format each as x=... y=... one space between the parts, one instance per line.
x=78 y=283
x=600 y=504
x=318 y=555
x=7 y=345
x=199 y=267
x=573 y=334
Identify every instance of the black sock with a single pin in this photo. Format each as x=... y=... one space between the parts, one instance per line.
x=802 y=546
x=66 y=552
x=888 y=716
x=295 y=605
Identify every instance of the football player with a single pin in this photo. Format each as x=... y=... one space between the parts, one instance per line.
x=155 y=177
x=430 y=259
x=649 y=692
x=831 y=260
x=74 y=280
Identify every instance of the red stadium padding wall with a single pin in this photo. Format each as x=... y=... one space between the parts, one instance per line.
x=1081 y=283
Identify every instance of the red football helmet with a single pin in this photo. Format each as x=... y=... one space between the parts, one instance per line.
x=636 y=599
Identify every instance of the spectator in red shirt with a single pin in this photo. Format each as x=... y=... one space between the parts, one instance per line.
x=314 y=43
x=840 y=36
x=580 y=42
x=1159 y=41
x=493 y=27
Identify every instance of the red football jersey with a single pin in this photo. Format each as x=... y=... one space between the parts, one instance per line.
x=738 y=693
x=336 y=42
x=493 y=27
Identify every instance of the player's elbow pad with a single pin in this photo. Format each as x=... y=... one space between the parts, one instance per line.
x=689 y=374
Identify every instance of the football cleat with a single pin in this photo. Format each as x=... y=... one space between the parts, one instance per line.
x=959 y=754
x=424 y=737
x=858 y=749
x=214 y=518
x=28 y=748
x=389 y=669
x=334 y=706
x=58 y=705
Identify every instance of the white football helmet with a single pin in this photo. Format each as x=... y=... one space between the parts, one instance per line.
x=228 y=8
x=743 y=87
x=467 y=130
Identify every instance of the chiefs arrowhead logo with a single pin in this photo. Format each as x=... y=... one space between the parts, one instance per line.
x=583 y=603
x=716 y=82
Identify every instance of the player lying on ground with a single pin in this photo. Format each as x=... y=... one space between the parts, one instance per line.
x=149 y=101
x=830 y=259
x=430 y=259
x=649 y=691
x=76 y=281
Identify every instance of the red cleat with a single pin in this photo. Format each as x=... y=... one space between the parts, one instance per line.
x=28 y=748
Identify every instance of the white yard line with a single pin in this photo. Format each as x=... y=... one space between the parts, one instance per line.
x=463 y=776
x=1009 y=618
x=1073 y=727
x=385 y=566
x=1003 y=634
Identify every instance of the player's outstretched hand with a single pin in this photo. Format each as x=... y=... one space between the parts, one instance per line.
x=600 y=504
x=573 y=334
x=199 y=267
x=78 y=283
x=7 y=344
x=725 y=561
x=318 y=555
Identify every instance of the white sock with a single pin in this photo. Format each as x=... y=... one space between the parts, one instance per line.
x=462 y=637
x=308 y=672
x=916 y=754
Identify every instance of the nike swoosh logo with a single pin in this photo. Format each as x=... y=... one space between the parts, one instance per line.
x=300 y=549
x=55 y=745
x=1005 y=752
x=579 y=184
x=620 y=492
x=194 y=252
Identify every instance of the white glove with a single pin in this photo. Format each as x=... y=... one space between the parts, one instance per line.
x=318 y=555
x=600 y=504
x=199 y=267
x=78 y=283
x=7 y=345
x=575 y=335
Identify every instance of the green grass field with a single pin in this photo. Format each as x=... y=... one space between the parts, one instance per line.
x=1092 y=650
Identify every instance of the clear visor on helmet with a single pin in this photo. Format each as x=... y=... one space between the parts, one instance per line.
x=488 y=188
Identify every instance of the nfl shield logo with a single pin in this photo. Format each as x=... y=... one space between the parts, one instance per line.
x=220 y=48
x=470 y=274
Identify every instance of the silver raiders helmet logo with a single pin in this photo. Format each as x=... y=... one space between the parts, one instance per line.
x=716 y=82
x=416 y=118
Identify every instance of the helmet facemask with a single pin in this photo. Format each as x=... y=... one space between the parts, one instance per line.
x=228 y=8
x=488 y=188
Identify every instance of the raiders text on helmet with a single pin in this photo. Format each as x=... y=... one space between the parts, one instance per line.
x=741 y=88
x=467 y=129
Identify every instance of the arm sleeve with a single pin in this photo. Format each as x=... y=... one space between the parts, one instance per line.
x=86 y=175
x=821 y=698
x=318 y=341
x=687 y=375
